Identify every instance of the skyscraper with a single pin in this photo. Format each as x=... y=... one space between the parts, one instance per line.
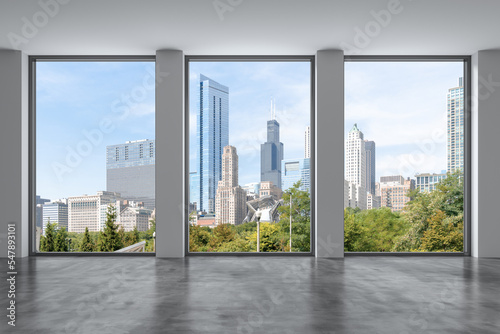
x=271 y=152
x=230 y=199
x=455 y=124
x=355 y=168
x=307 y=142
x=370 y=166
x=90 y=211
x=294 y=170
x=355 y=157
x=212 y=135
x=55 y=212
x=130 y=171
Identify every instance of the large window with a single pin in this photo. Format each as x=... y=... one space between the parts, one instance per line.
x=250 y=163
x=94 y=151
x=405 y=155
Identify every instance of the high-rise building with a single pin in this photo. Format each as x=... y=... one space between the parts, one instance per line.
x=427 y=182
x=455 y=124
x=39 y=210
x=293 y=170
x=212 y=135
x=394 y=190
x=355 y=168
x=230 y=199
x=194 y=188
x=271 y=152
x=355 y=157
x=130 y=171
x=55 y=212
x=307 y=143
x=90 y=211
x=370 y=166
x=267 y=188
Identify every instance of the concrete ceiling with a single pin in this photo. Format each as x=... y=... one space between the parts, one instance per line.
x=267 y=27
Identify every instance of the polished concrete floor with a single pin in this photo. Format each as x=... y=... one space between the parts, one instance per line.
x=255 y=295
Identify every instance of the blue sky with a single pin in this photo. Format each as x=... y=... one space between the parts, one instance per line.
x=399 y=105
x=402 y=107
x=76 y=97
x=251 y=87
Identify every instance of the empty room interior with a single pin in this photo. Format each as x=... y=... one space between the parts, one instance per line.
x=319 y=166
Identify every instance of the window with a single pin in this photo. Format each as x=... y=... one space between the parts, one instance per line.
x=94 y=187
x=407 y=118
x=244 y=118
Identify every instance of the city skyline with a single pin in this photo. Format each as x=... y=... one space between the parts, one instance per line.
x=402 y=106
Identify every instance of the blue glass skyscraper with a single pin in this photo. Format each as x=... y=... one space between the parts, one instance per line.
x=212 y=135
x=294 y=170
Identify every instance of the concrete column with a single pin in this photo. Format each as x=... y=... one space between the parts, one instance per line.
x=170 y=169
x=14 y=150
x=485 y=222
x=329 y=206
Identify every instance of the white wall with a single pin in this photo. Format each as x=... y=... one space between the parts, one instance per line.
x=329 y=153
x=14 y=149
x=485 y=153
x=170 y=153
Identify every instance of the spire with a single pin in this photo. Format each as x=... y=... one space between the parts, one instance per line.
x=355 y=128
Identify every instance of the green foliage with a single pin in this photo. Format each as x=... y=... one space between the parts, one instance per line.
x=430 y=222
x=425 y=208
x=445 y=234
x=274 y=237
x=61 y=241
x=47 y=241
x=86 y=245
x=110 y=240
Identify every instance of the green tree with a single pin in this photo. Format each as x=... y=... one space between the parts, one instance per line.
x=301 y=218
x=424 y=208
x=445 y=234
x=86 y=245
x=47 y=241
x=109 y=239
x=61 y=240
x=199 y=237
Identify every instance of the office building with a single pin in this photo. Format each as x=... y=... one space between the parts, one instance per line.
x=271 y=152
x=212 y=135
x=455 y=124
x=230 y=200
x=134 y=217
x=90 y=211
x=130 y=171
x=39 y=202
x=357 y=196
x=294 y=170
x=370 y=166
x=372 y=201
x=267 y=188
x=355 y=157
x=427 y=182
x=55 y=212
x=394 y=190
x=252 y=190
x=307 y=143
x=194 y=189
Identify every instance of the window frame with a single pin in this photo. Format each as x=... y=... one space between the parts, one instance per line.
x=466 y=60
x=312 y=188
x=32 y=61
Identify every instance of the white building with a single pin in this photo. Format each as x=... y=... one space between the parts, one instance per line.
x=90 y=211
x=455 y=125
x=355 y=168
x=372 y=201
x=307 y=143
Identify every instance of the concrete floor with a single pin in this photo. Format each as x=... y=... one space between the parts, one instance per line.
x=255 y=295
